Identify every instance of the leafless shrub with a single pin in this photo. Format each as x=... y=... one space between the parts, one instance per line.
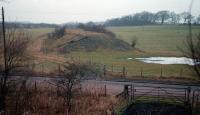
x=72 y=75
x=13 y=55
x=134 y=41
x=192 y=45
x=192 y=50
x=58 y=33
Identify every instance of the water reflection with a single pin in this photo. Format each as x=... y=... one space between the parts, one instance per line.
x=167 y=60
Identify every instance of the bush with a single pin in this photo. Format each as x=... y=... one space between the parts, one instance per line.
x=134 y=41
x=58 y=33
x=96 y=28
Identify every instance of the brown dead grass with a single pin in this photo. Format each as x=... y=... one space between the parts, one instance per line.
x=44 y=101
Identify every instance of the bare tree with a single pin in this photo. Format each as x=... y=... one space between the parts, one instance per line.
x=13 y=53
x=163 y=16
x=186 y=16
x=192 y=45
x=134 y=41
x=175 y=18
x=72 y=75
x=192 y=50
x=58 y=33
x=198 y=20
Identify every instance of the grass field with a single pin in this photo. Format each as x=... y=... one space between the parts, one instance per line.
x=153 y=40
x=157 y=40
x=35 y=33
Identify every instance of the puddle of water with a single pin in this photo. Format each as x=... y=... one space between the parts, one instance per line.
x=129 y=58
x=167 y=60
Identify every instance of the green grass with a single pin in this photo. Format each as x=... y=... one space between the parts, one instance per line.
x=133 y=67
x=153 y=40
x=157 y=40
x=46 y=67
x=35 y=33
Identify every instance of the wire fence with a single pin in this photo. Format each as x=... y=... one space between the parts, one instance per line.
x=170 y=95
x=118 y=70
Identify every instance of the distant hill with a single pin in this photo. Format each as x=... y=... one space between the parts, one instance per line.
x=81 y=40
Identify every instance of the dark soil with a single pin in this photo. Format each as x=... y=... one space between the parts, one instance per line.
x=156 y=109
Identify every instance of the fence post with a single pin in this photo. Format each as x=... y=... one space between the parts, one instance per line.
x=59 y=69
x=124 y=72
x=161 y=72
x=105 y=91
x=42 y=70
x=185 y=95
x=133 y=93
x=197 y=100
x=181 y=72
x=197 y=105
x=125 y=91
x=141 y=72
x=158 y=96
x=104 y=70
x=193 y=96
x=35 y=86
x=188 y=94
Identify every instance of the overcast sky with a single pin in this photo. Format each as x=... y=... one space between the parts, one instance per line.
x=62 y=11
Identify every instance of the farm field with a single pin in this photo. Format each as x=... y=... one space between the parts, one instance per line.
x=152 y=41
x=156 y=40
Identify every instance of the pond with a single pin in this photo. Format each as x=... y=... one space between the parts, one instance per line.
x=166 y=60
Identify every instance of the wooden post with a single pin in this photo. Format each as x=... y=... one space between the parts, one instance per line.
x=185 y=95
x=141 y=72
x=4 y=45
x=181 y=72
x=58 y=69
x=188 y=95
x=158 y=94
x=193 y=96
x=80 y=87
x=35 y=86
x=197 y=100
x=161 y=72
x=124 y=72
x=104 y=70
x=42 y=70
x=105 y=91
x=126 y=91
x=133 y=93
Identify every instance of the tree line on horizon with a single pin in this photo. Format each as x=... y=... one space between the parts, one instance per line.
x=138 y=19
x=148 y=18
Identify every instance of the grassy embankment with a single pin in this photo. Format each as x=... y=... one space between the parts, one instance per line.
x=152 y=41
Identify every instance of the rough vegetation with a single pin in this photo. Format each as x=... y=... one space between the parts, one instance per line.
x=86 y=40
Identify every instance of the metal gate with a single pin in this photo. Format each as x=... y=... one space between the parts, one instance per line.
x=158 y=94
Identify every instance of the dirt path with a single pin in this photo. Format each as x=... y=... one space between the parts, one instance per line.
x=36 y=52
